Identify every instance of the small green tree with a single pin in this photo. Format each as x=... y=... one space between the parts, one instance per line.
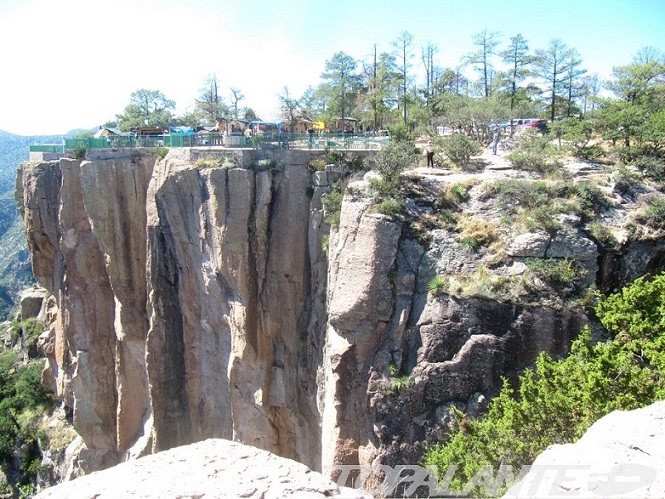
x=342 y=83
x=535 y=153
x=578 y=134
x=146 y=108
x=392 y=160
x=459 y=148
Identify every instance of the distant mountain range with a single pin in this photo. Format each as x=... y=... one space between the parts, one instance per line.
x=15 y=265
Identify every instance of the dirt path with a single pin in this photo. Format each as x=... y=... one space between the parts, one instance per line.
x=491 y=166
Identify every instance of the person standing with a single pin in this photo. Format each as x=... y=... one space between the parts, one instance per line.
x=496 y=139
x=429 y=149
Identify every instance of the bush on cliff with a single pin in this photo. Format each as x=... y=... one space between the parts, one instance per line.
x=558 y=400
x=23 y=403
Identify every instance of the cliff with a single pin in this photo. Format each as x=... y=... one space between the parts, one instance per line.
x=195 y=300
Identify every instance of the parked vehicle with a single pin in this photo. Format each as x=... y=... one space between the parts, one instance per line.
x=541 y=125
x=522 y=123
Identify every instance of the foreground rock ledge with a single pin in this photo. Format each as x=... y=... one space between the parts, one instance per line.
x=208 y=469
x=621 y=455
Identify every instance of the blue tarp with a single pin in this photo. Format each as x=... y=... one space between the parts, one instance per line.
x=276 y=124
x=182 y=130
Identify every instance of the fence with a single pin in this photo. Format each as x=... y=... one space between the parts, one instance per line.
x=260 y=141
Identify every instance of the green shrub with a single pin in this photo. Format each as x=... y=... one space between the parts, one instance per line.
x=264 y=165
x=29 y=330
x=392 y=160
x=602 y=234
x=557 y=272
x=652 y=167
x=79 y=152
x=23 y=403
x=558 y=400
x=653 y=215
x=438 y=285
x=159 y=153
x=459 y=148
x=535 y=153
x=626 y=179
x=332 y=202
x=382 y=188
x=578 y=133
x=347 y=160
x=316 y=165
x=391 y=207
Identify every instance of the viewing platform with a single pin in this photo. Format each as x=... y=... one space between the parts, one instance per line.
x=283 y=141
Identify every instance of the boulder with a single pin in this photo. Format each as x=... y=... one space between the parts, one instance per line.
x=621 y=455
x=530 y=244
x=32 y=301
x=208 y=469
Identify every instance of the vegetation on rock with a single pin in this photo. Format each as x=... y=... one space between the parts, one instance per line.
x=557 y=400
x=24 y=402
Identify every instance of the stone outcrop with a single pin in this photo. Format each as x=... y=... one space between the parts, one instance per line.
x=621 y=455
x=397 y=359
x=187 y=308
x=31 y=305
x=195 y=300
x=213 y=468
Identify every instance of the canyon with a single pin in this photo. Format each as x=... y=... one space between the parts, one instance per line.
x=205 y=295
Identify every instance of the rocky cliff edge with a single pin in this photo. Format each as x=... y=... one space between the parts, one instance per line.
x=204 y=295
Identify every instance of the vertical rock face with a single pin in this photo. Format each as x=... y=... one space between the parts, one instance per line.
x=186 y=303
x=86 y=229
x=228 y=273
x=197 y=302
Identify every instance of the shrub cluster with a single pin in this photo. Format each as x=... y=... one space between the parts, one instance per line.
x=535 y=153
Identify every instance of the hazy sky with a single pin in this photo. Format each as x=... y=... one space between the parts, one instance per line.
x=74 y=63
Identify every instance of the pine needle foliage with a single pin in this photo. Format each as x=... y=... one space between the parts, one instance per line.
x=558 y=400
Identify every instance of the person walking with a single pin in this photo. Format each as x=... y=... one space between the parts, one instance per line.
x=430 y=154
x=496 y=139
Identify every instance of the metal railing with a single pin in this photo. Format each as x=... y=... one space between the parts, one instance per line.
x=339 y=141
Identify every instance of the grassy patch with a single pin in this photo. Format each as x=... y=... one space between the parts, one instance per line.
x=602 y=234
x=653 y=213
x=481 y=283
x=476 y=232
x=206 y=163
x=557 y=272
x=536 y=204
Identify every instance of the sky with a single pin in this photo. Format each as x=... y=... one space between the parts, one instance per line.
x=69 y=64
